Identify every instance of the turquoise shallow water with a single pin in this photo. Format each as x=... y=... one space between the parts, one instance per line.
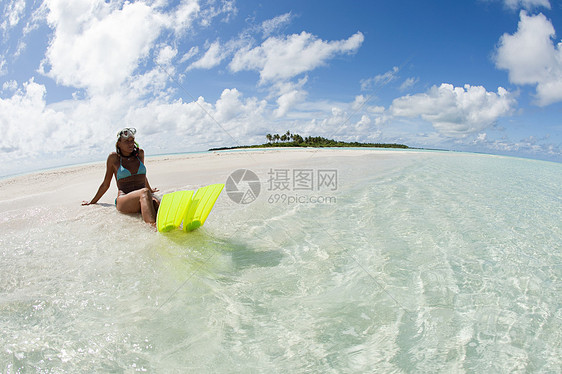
x=416 y=262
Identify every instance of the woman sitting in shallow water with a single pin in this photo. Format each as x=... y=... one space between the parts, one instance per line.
x=127 y=165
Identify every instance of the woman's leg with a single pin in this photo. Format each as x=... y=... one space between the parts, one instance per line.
x=156 y=203
x=138 y=201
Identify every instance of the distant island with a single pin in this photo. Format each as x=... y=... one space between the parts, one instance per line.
x=295 y=140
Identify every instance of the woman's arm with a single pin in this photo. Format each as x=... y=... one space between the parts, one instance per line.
x=109 y=171
x=147 y=185
x=150 y=188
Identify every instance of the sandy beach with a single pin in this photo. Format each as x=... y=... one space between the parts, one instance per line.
x=71 y=185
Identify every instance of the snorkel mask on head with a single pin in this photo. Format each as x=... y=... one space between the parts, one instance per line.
x=127 y=133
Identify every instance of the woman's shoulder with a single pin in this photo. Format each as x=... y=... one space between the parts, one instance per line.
x=113 y=157
x=112 y=161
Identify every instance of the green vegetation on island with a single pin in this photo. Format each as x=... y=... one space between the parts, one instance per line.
x=295 y=140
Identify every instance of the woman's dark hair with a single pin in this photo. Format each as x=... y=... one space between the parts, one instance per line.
x=135 y=150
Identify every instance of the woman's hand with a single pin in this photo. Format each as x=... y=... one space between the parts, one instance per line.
x=153 y=190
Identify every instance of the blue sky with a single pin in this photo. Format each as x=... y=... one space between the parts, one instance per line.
x=474 y=75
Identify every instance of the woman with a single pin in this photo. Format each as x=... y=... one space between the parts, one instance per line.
x=127 y=165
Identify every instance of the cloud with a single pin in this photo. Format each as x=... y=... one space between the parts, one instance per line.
x=11 y=13
x=523 y=4
x=184 y=15
x=531 y=58
x=527 y=4
x=3 y=70
x=191 y=53
x=74 y=129
x=271 y=26
x=29 y=126
x=13 y=10
x=408 y=83
x=530 y=145
x=289 y=94
x=229 y=106
x=10 y=85
x=166 y=55
x=359 y=102
x=96 y=47
x=216 y=8
x=212 y=57
x=455 y=111
x=104 y=52
x=230 y=119
x=480 y=138
x=282 y=58
x=380 y=80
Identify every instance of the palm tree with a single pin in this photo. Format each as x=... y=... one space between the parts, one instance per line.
x=269 y=138
x=297 y=138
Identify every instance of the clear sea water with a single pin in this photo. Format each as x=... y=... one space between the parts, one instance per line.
x=416 y=262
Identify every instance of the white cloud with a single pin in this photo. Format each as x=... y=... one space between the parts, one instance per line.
x=527 y=4
x=97 y=47
x=359 y=102
x=530 y=145
x=288 y=95
x=10 y=85
x=152 y=82
x=271 y=26
x=531 y=57
x=380 y=80
x=455 y=111
x=103 y=49
x=200 y=123
x=408 y=83
x=213 y=57
x=29 y=126
x=286 y=57
x=166 y=55
x=523 y=4
x=376 y=109
x=2 y=66
x=216 y=8
x=287 y=101
x=85 y=128
x=228 y=106
x=364 y=122
x=191 y=53
x=339 y=124
x=184 y=15
x=481 y=138
x=12 y=12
